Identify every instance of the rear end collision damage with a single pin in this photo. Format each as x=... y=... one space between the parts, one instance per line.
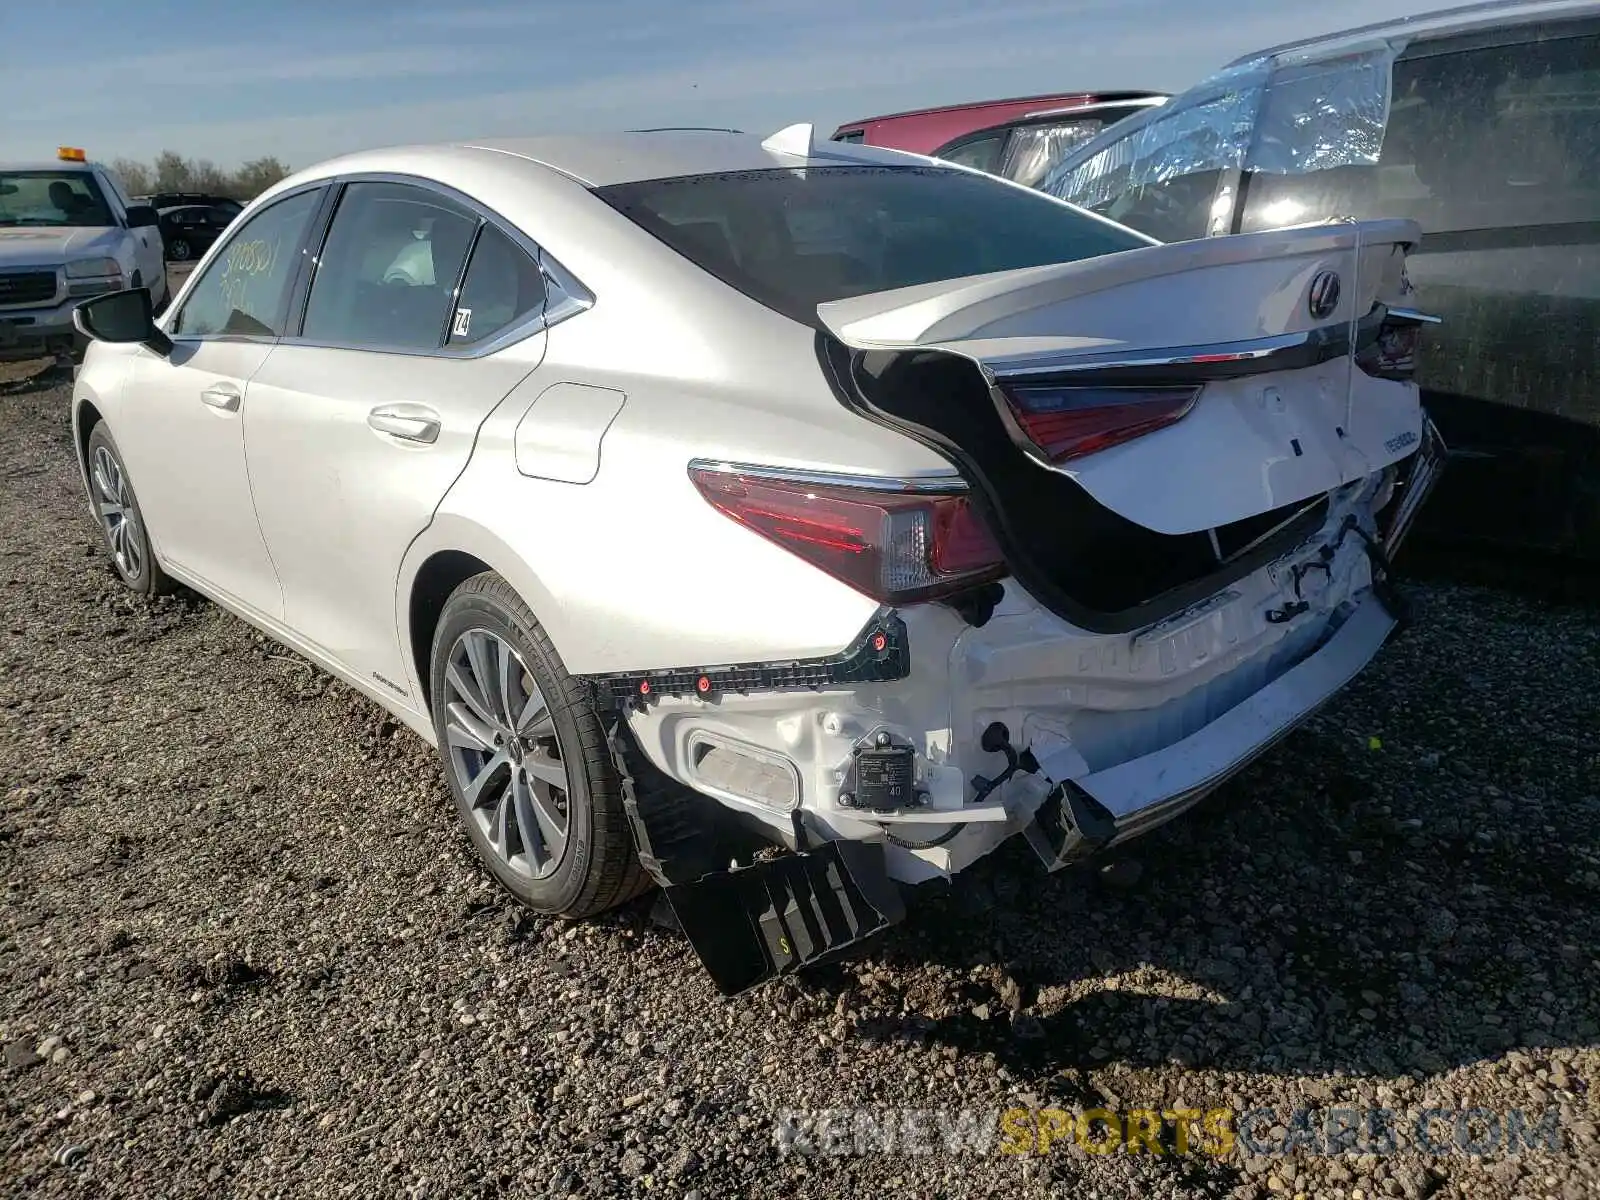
x=1150 y=564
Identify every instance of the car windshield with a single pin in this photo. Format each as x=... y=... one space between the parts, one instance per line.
x=61 y=198
x=794 y=239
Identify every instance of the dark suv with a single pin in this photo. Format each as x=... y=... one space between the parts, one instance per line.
x=1483 y=125
x=224 y=204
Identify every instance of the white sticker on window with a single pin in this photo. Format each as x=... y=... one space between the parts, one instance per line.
x=463 y=320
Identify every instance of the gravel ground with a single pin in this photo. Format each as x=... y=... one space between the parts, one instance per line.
x=244 y=950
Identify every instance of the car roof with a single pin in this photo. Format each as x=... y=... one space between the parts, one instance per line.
x=927 y=130
x=601 y=160
x=1442 y=22
x=1052 y=100
x=50 y=164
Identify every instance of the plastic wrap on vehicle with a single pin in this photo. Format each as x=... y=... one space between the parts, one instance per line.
x=1207 y=127
x=1324 y=114
x=1262 y=115
x=1034 y=149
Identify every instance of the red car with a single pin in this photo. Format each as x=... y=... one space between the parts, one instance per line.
x=1019 y=139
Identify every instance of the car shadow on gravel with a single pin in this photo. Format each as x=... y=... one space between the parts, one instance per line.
x=1340 y=908
x=15 y=382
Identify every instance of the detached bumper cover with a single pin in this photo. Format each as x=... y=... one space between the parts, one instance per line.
x=1142 y=793
x=1426 y=467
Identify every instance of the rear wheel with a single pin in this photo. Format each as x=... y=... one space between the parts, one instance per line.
x=121 y=523
x=179 y=250
x=527 y=759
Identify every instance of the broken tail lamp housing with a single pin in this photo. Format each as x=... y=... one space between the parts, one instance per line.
x=1066 y=422
x=894 y=545
x=1392 y=352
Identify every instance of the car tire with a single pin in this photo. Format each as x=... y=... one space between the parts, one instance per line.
x=179 y=250
x=532 y=776
x=122 y=526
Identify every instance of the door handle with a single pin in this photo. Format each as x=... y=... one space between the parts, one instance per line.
x=408 y=422
x=224 y=396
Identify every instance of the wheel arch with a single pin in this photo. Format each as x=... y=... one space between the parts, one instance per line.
x=449 y=553
x=85 y=416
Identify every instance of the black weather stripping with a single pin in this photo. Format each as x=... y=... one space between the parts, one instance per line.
x=881 y=653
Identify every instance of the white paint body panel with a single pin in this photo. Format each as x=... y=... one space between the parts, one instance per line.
x=561 y=463
x=559 y=436
x=340 y=503
x=1249 y=444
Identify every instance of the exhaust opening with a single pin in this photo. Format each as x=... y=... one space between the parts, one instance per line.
x=723 y=766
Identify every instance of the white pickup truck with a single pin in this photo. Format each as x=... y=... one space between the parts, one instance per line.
x=68 y=231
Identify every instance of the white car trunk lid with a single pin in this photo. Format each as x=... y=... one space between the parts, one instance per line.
x=1263 y=324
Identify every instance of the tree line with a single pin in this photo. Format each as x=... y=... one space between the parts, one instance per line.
x=172 y=172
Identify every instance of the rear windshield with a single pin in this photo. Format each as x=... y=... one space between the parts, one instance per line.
x=796 y=238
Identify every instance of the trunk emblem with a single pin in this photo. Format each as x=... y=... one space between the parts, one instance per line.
x=1324 y=295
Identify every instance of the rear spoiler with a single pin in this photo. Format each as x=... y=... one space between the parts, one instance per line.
x=927 y=315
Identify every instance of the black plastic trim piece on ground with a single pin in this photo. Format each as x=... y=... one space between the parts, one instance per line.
x=750 y=923
x=880 y=654
x=771 y=918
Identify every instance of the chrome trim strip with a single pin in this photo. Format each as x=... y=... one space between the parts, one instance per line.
x=945 y=482
x=1097 y=106
x=1296 y=515
x=1415 y=315
x=1251 y=350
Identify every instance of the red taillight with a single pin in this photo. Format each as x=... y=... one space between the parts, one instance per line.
x=894 y=546
x=1069 y=422
x=1393 y=355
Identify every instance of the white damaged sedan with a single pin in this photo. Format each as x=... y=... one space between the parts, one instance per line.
x=773 y=521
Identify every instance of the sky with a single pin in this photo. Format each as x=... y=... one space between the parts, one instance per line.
x=231 y=80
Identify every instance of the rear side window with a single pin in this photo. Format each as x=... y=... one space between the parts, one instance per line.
x=980 y=153
x=502 y=286
x=388 y=269
x=242 y=291
x=1035 y=149
x=794 y=239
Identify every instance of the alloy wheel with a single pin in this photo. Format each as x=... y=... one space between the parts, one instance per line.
x=506 y=754
x=117 y=514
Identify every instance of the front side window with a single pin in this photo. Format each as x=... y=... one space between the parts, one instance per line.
x=793 y=239
x=243 y=290
x=60 y=199
x=502 y=285
x=389 y=268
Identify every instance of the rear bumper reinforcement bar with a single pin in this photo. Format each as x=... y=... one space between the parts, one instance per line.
x=1121 y=802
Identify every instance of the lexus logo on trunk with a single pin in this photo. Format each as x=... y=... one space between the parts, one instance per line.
x=1324 y=296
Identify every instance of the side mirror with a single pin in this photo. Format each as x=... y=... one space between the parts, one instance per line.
x=122 y=318
x=142 y=216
